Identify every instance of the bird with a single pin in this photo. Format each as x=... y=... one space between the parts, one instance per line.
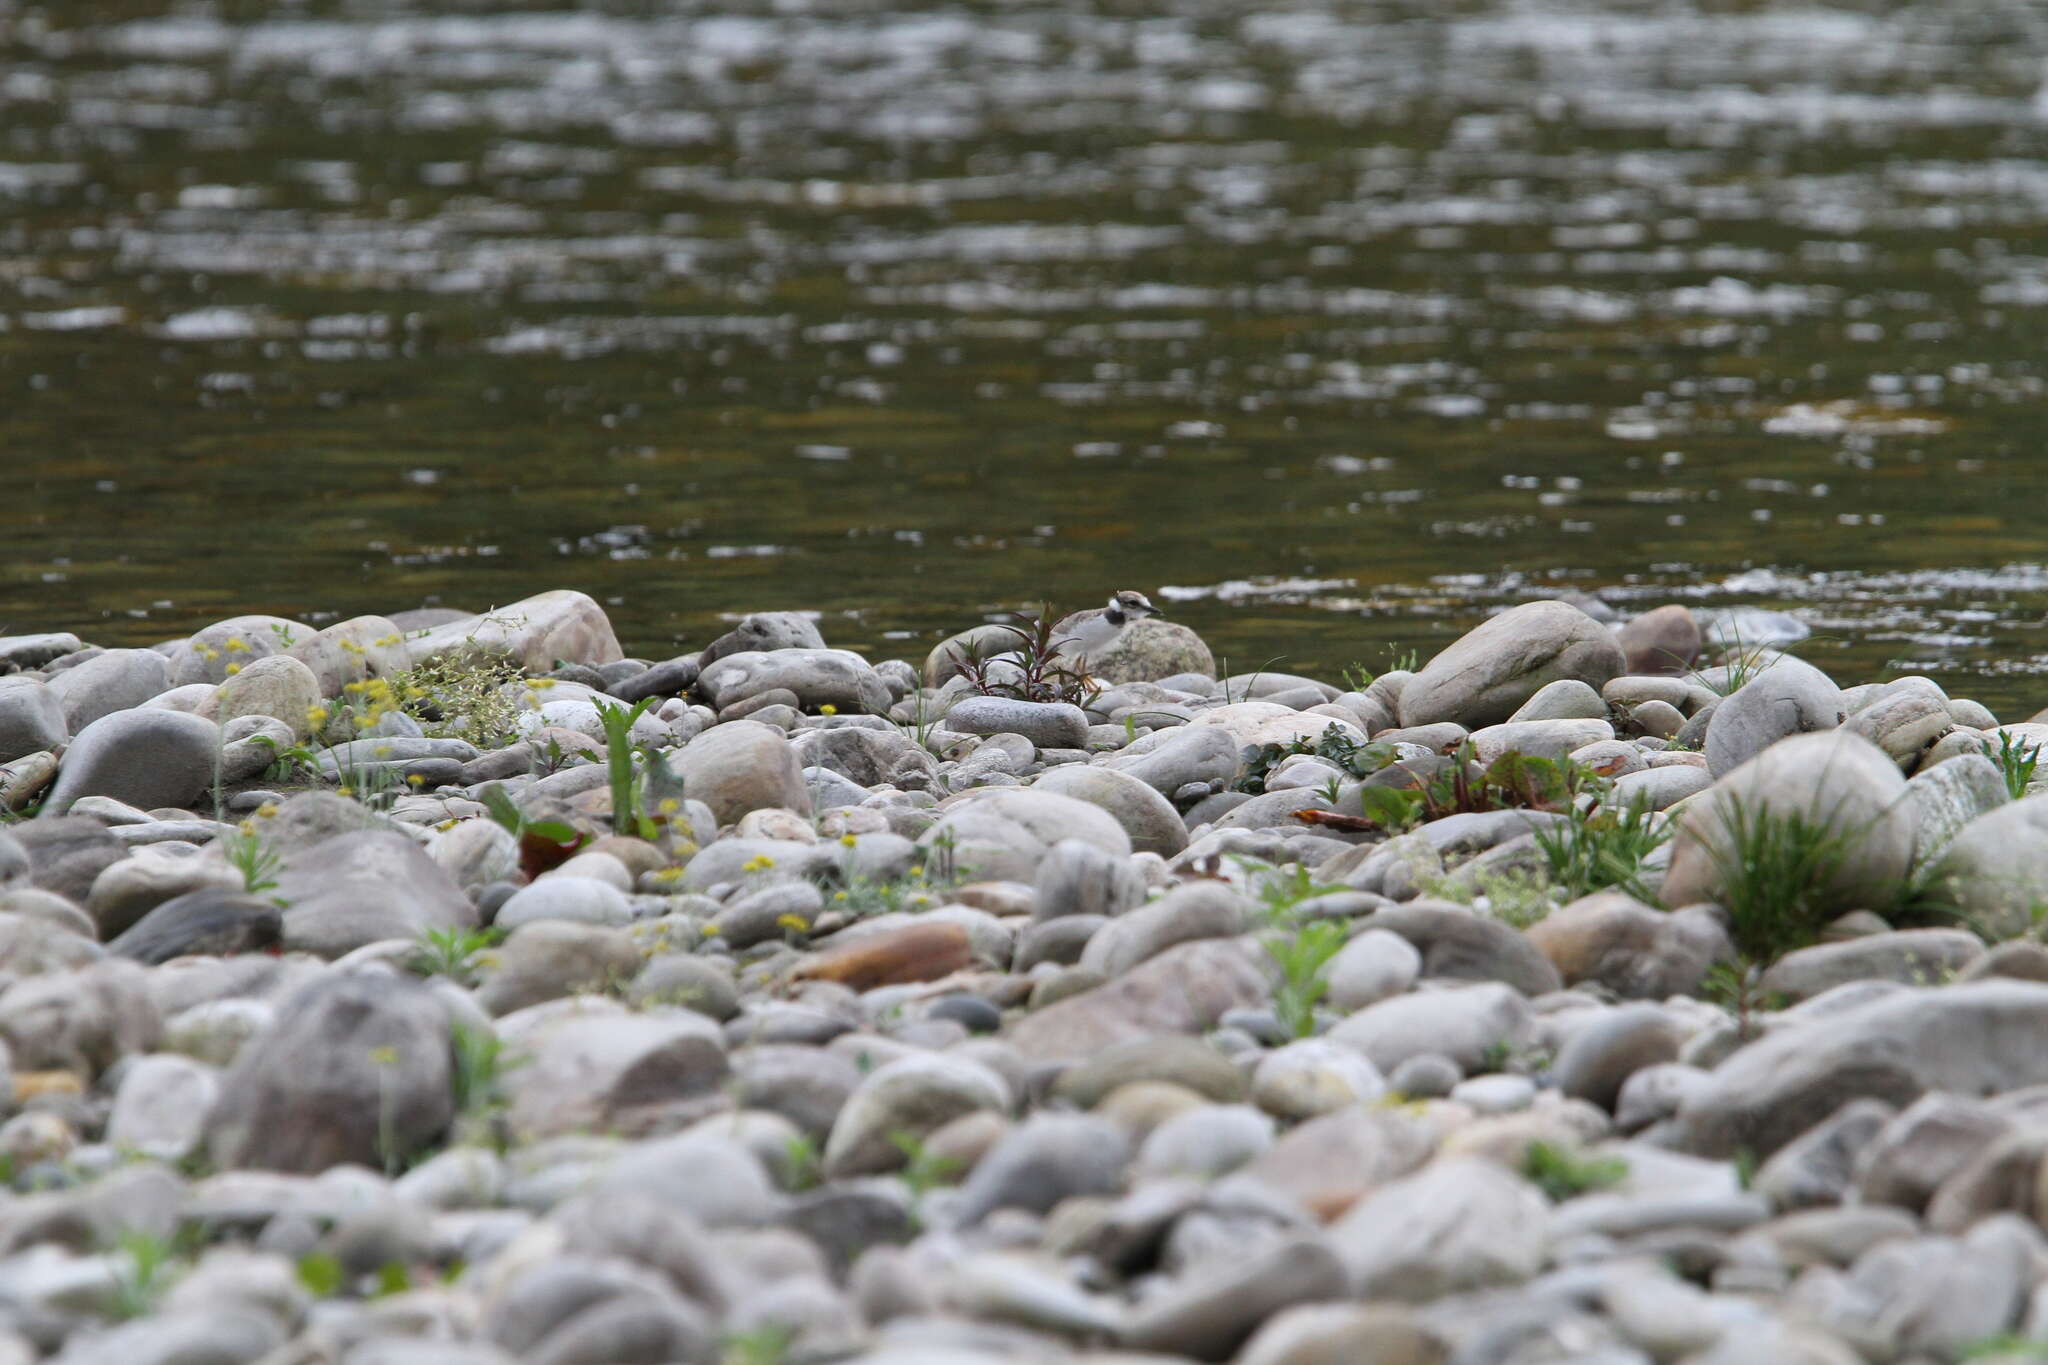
x=1090 y=633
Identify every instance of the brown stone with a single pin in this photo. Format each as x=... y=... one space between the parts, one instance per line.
x=1327 y=1164
x=1185 y=989
x=638 y=856
x=1635 y=951
x=918 y=952
x=1666 y=640
x=30 y=1085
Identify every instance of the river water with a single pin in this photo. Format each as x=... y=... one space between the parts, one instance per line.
x=1333 y=325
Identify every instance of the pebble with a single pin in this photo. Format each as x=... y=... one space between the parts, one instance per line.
x=1037 y=1094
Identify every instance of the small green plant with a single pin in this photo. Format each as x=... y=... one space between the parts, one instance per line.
x=320 y=1273
x=1358 y=677
x=258 y=863
x=924 y=1171
x=1563 y=1174
x=1603 y=847
x=1738 y=988
x=477 y=1082
x=1740 y=663
x=924 y=721
x=1034 y=668
x=150 y=1265
x=627 y=785
x=1517 y=897
x=1775 y=869
x=2005 y=1348
x=1335 y=745
x=375 y=784
x=766 y=1345
x=804 y=1163
x=924 y=886
x=1502 y=1055
x=2016 y=760
x=454 y=953
x=289 y=763
x=1280 y=890
x=464 y=694
x=1301 y=957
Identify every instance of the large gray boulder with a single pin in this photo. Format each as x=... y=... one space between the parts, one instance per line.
x=1002 y=833
x=1635 y=951
x=1947 y=797
x=819 y=677
x=1047 y=724
x=358 y=1068
x=1486 y=675
x=588 y=1065
x=146 y=758
x=358 y=888
x=1787 y=696
x=539 y=633
x=279 y=687
x=741 y=766
x=1150 y=820
x=1458 y=1224
x=911 y=1096
x=81 y=1021
x=354 y=650
x=1463 y=1023
x=1978 y=1038
x=868 y=758
x=114 y=680
x=67 y=854
x=1197 y=910
x=1150 y=649
x=234 y=643
x=1835 y=781
x=1995 y=869
x=31 y=718
x=1168 y=760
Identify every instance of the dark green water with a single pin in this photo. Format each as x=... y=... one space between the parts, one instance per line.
x=1337 y=324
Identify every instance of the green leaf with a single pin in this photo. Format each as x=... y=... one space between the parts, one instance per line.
x=1389 y=806
x=500 y=807
x=320 y=1273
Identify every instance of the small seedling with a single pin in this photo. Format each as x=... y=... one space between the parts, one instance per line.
x=765 y=1345
x=2016 y=760
x=320 y=1273
x=477 y=1081
x=805 y=1164
x=1563 y=1174
x=152 y=1265
x=1603 y=847
x=627 y=815
x=454 y=953
x=249 y=855
x=923 y=1171
x=1301 y=957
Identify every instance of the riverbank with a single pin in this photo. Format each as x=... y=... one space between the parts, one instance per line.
x=452 y=988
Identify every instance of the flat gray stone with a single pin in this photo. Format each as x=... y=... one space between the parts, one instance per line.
x=147 y=758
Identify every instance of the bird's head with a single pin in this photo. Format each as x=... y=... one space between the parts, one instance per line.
x=1133 y=605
